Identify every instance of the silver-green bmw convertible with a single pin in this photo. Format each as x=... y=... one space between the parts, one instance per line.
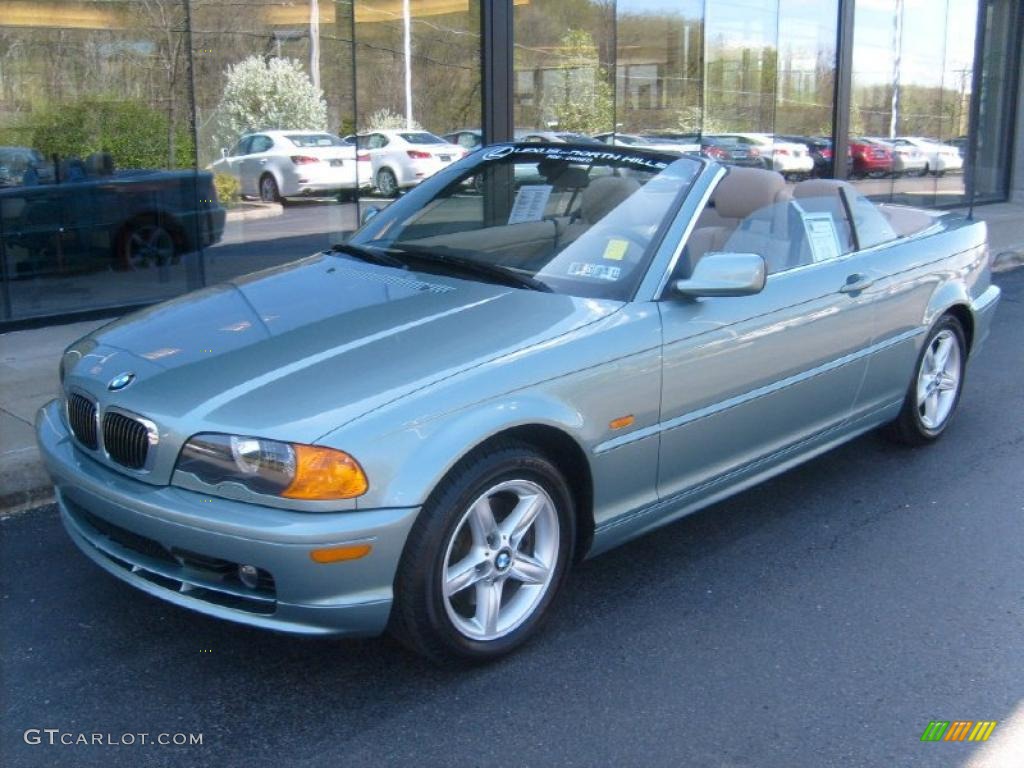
x=539 y=353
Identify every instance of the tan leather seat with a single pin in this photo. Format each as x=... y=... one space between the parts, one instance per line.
x=742 y=192
x=605 y=194
x=599 y=198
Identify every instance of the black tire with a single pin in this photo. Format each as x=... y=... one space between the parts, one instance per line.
x=909 y=428
x=923 y=172
x=419 y=617
x=148 y=241
x=269 y=192
x=387 y=184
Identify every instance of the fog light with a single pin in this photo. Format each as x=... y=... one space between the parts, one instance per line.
x=249 y=575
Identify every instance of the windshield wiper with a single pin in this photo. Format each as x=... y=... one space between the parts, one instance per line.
x=372 y=255
x=493 y=272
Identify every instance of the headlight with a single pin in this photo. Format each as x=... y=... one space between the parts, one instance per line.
x=290 y=470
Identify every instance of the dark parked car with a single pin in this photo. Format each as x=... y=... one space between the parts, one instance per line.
x=85 y=216
x=820 y=149
x=730 y=152
x=21 y=165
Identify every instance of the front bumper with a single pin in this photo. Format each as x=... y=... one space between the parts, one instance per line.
x=184 y=547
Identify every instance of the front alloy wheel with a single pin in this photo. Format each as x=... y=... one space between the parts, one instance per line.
x=497 y=572
x=486 y=556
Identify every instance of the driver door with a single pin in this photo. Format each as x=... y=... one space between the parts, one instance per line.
x=749 y=382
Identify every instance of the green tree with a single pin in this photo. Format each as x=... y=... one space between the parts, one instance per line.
x=135 y=135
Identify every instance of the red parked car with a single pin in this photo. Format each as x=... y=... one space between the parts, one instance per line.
x=870 y=159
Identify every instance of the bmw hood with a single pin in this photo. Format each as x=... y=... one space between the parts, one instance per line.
x=297 y=351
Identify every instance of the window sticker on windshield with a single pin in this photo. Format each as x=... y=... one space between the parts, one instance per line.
x=821 y=236
x=531 y=200
x=616 y=249
x=597 y=271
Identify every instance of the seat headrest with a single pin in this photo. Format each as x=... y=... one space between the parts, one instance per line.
x=820 y=188
x=603 y=194
x=745 y=190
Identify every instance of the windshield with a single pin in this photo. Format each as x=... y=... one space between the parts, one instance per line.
x=578 y=221
x=422 y=137
x=315 y=140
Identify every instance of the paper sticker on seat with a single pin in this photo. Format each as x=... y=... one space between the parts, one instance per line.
x=531 y=200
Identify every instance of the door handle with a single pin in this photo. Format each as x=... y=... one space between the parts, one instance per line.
x=857 y=282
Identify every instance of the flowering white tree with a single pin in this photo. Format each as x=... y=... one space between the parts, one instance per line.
x=384 y=119
x=260 y=95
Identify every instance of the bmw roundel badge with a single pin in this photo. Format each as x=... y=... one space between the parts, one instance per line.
x=121 y=381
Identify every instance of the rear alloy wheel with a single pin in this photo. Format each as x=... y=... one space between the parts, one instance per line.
x=486 y=557
x=144 y=244
x=387 y=184
x=935 y=390
x=269 y=193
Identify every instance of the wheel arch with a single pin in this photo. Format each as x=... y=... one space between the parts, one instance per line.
x=962 y=312
x=562 y=450
x=952 y=299
x=413 y=462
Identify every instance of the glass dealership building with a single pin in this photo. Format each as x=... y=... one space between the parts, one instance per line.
x=113 y=112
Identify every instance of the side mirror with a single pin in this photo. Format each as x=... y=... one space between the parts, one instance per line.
x=724 y=274
x=223 y=153
x=368 y=213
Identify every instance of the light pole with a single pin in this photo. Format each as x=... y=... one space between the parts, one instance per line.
x=406 y=28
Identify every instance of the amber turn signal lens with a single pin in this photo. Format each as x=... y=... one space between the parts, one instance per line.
x=622 y=422
x=340 y=554
x=324 y=473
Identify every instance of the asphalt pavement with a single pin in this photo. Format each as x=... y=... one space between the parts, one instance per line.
x=821 y=619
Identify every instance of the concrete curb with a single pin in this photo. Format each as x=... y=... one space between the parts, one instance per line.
x=1006 y=260
x=25 y=483
x=250 y=211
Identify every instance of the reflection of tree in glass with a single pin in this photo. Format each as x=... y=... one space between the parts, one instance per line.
x=584 y=101
x=263 y=95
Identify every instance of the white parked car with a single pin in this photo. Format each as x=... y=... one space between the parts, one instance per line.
x=644 y=142
x=906 y=158
x=402 y=159
x=787 y=157
x=941 y=157
x=273 y=165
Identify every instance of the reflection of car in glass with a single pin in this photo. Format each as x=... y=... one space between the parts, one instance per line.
x=820 y=150
x=273 y=165
x=788 y=158
x=555 y=137
x=469 y=139
x=941 y=157
x=91 y=216
x=870 y=159
x=23 y=165
x=644 y=142
x=729 y=151
x=907 y=159
x=425 y=427
x=402 y=159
